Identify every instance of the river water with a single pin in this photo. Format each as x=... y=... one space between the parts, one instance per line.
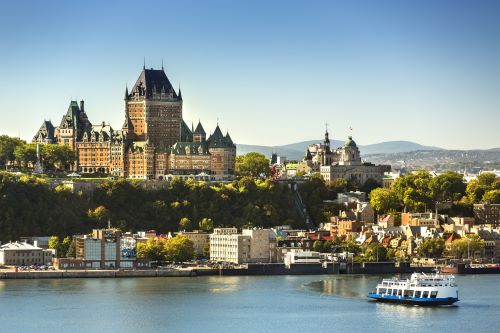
x=324 y=303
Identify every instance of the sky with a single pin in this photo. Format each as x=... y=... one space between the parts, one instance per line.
x=270 y=72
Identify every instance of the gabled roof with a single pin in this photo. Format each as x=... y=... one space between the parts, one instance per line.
x=46 y=131
x=199 y=129
x=75 y=118
x=18 y=246
x=218 y=140
x=229 y=140
x=153 y=80
x=186 y=134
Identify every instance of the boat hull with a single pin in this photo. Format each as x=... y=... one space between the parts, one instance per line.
x=414 y=301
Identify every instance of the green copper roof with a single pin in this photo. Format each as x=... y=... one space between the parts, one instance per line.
x=350 y=142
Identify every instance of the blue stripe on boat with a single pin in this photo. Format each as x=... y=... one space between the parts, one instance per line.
x=414 y=299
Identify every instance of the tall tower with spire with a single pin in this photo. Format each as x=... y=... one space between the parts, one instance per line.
x=326 y=142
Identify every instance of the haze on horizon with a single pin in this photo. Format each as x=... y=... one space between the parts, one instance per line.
x=271 y=72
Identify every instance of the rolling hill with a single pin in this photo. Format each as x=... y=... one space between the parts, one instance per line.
x=295 y=151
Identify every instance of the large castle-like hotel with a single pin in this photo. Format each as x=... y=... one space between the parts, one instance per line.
x=153 y=143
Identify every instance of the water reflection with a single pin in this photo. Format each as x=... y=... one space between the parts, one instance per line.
x=349 y=286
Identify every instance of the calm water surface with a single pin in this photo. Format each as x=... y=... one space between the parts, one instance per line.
x=236 y=304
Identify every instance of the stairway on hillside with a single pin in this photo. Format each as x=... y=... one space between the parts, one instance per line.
x=301 y=207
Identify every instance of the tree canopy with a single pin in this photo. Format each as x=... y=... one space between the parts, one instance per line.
x=383 y=200
x=28 y=206
x=431 y=247
x=252 y=165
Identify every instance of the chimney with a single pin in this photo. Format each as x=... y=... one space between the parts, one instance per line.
x=82 y=109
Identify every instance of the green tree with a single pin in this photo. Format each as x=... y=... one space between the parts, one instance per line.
x=318 y=246
x=370 y=185
x=25 y=155
x=252 y=165
x=71 y=253
x=179 y=249
x=413 y=190
x=493 y=197
x=206 y=224
x=7 y=147
x=431 y=247
x=206 y=250
x=375 y=252
x=448 y=186
x=185 y=224
x=100 y=215
x=352 y=246
x=65 y=245
x=55 y=244
x=57 y=157
x=486 y=179
x=328 y=246
x=154 y=249
x=383 y=199
x=467 y=247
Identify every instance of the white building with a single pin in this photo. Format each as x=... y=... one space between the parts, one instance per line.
x=302 y=257
x=19 y=254
x=252 y=245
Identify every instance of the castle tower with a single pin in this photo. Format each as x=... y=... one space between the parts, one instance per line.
x=199 y=134
x=153 y=109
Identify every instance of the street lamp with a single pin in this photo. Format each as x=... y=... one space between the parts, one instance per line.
x=468 y=248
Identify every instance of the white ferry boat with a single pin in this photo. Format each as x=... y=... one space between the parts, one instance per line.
x=419 y=289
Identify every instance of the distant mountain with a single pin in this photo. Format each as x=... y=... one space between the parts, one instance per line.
x=295 y=151
x=394 y=147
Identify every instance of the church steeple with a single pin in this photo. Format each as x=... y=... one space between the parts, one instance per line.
x=327 y=139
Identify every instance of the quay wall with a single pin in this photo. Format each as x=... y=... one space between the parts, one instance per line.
x=95 y=274
x=253 y=269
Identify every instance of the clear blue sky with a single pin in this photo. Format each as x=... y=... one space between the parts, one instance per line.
x=272 y=72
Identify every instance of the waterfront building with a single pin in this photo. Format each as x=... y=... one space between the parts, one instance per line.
x=199 y=238
x=104 y=249
x=301 y=257
x=153 y=143
x=252 y=245
x=19 y=254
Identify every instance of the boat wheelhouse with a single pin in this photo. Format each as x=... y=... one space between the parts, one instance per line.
x=419 y=289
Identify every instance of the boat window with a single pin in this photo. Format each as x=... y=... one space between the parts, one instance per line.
x=408 y=293
x=418 y=293
x=434 y=294
x=382 y=290
x=394 y=292
x=425 y=294
x=399 y=292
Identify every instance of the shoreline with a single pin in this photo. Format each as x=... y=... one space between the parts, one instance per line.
x=251 y=270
